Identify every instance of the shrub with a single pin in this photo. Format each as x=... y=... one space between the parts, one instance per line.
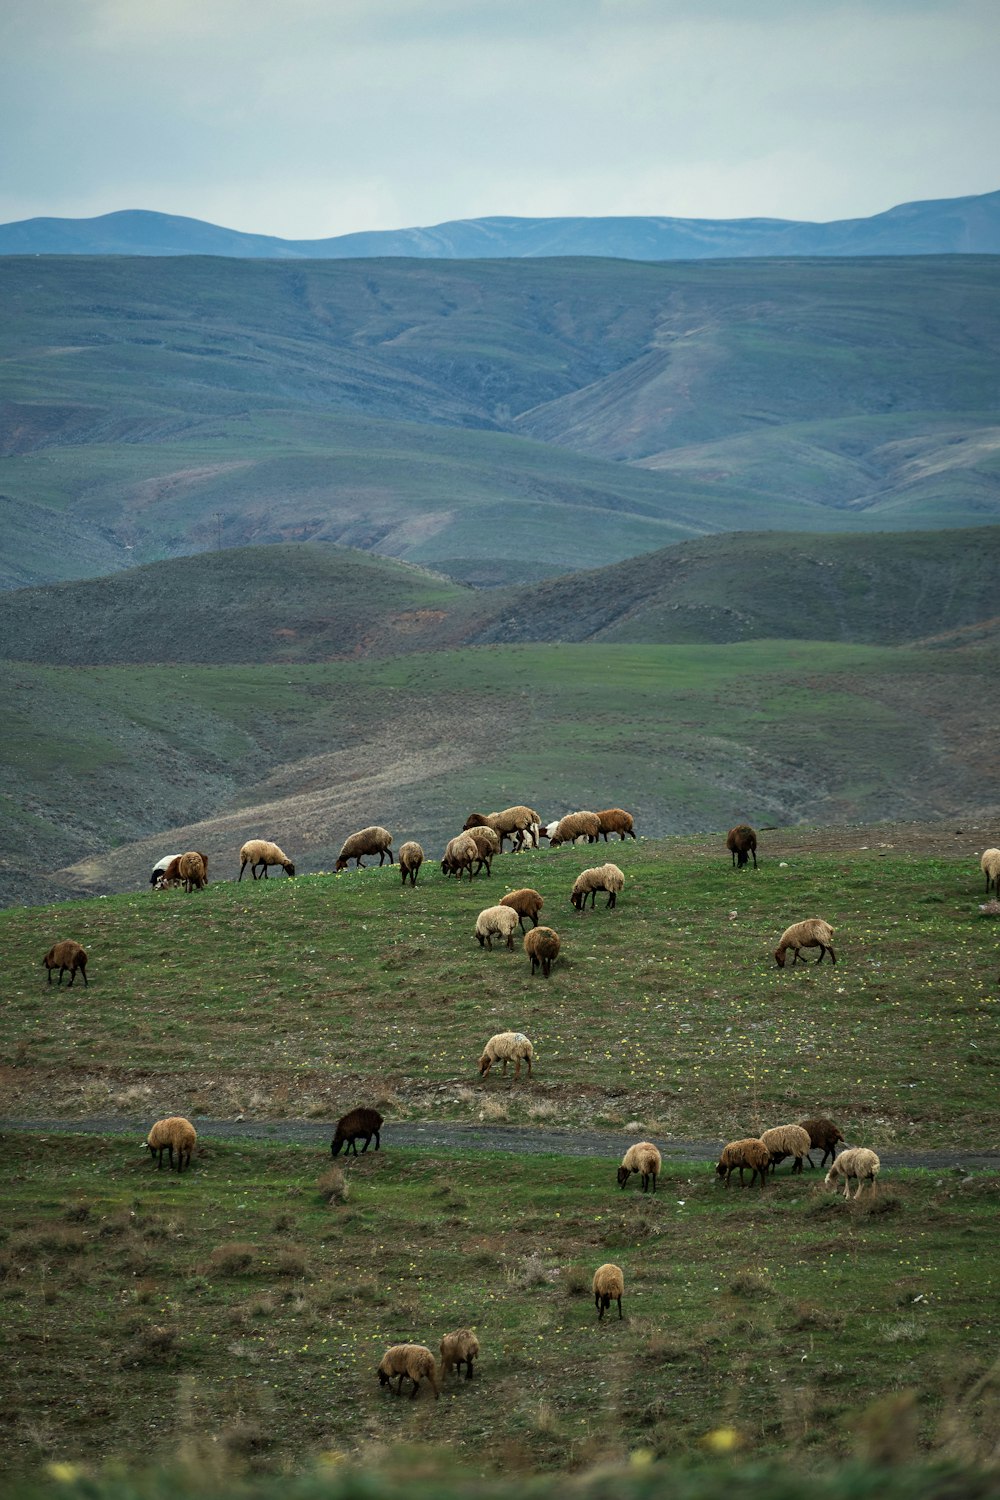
x=233 y=1259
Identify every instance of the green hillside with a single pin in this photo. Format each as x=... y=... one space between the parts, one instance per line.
x=495 y=420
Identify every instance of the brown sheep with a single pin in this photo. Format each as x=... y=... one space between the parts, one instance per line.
x=170 y=1135
x=609 y=1286
x=66 y=955
x=411 y=857
x=415 y=1361
x=822 y=1132
x=616 y=820
x=541 y=945
x=458 y=1349
x=352 y=1126
x=748 y=1152
x=526 y=902
x=812 y=933
x=191 y=869
x=742 y=843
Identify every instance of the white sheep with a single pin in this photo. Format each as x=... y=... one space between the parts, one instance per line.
x=787 y=1140
x=496 y=921
x=505 y=1047
x=414 y=1361
x=812 y=933
x=458 y=1349
x=858 y=1162
x=607 y=878
x=170 y=1135
x=609 y=1286
x=259 y=853
x=990 y=866
x=643 y=1158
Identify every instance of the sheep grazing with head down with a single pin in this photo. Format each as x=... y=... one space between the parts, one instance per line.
x=749 y=1153
x=602 y=878
x=527 y=903
x=462 y=853
x=487 y=843
x=812 y=933
x=258 y=854
x=496 y=921
x=67 y=955
x=609 y=1286
x=505 y=1047
x=171 y=874
x=519 y=824
x=574 y=826
x=458 y=1349
x=990 y=866
x=643 y=1158
x=822 y=1132
x=616 y=820
x=357 y=1123
x=373 y=840
x=191 y=869
x=741 y=841
x=414 y=1361
x=857 y=1162
x=411 y=857
x=542 y=945
x=170 y=1135
x=787 y=1140
x=159 y=869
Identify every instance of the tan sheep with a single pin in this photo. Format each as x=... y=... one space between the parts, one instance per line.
x=857 y=1162
x=542 y=945
x=643 y=1158
x=526 y=902
x=609 y=1286
x=414 y=1361
x=487 y=843
x=67 y=955
x=461 y=853
x=787 y=1140
x=259 y=853
x=616 y=820
x=601 y=878
x=170 y=1135
x=373 y=840
x=519 y=824
x=812 y=933
x=822 y=1132
x=411 y=857
x=191 y=869
x=749 y=1152
x=574 y=826
x=990 y=866
x=741 y=842
x=505 y=1047
x=458 y=1349
x=496 y=921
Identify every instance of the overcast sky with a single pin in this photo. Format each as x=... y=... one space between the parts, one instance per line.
x=306 y=118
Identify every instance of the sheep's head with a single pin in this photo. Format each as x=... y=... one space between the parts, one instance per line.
x=832 y=1177
x=484 y=1063
x=288 y=867
x=383 y=1378
x=779 y=957
x=623 y=1176
x=720 y=1170
x=340 y=865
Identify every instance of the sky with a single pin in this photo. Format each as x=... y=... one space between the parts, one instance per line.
x=309 y=118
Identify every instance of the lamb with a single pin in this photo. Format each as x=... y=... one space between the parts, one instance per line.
x=496 y=921
x=748 y=1152
x=526 y=902
x=373 y=840
x=742 y=842
x=856 y=1161
x=990 y=866
x=505 y=1047
x=822 y=1132
x=616 y=820
x=643 y=1158
x=170 y=1135
x=602 y=878
x=159 y=869
x=261 y=852
x=787 y=1140
x=461 y=853
x=352 y=1126
x=411 y=857
x=191 y=869
x=67 y=955
x=574 y=826
x=609 y=1286
x=541 y=945
x=415 y=1361
x=458 y=1349
x=812 y=933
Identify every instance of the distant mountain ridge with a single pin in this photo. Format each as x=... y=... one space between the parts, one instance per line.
x=945 y=226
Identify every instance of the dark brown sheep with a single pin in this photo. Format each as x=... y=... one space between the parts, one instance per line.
x=352 y=1126
x=616 y=820
x=748 y=1152
x=66 y=955
x=526 y=902
x=822 y=1132
x=541 y=945
x=741 y=841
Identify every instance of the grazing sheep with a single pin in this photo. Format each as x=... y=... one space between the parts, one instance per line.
x=609 y=1286
x=602 y=878
x=191 y=869
x=352 y=1126
x=643 y=1158
x=856 y=1161
x=519 y=824
x=488 y=844
x=812 y=933
x=748 y=1152
x=541 y=945
x=496 y=921
x=170 y=1135
x=461 y=853
x=574 y=826
x=990 y=866
x=526 y=902
x=411 y=857
x=373 y=840
x=787 y=1140
x=415 y=1361
x=742 y=842
x=458 y=1349
x=159 y=869
x=822 y=1132
x=66 y=955
x=505 y=1047
x=261 y=853
x=616 y=820
x=171 y=874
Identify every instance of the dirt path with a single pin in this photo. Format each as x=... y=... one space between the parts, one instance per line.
x=458 y=1139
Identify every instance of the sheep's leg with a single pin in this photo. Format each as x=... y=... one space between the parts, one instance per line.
x=49 y=971
x=619 y=1307
x=504 y=1073
x=528 y=1061
x=468 y=1369
x=600 y=1306
x=364 y=1148
x=754 y=853
x=612 y=898
x=376 y=1140
x=517 y=1069
x=240 y=875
